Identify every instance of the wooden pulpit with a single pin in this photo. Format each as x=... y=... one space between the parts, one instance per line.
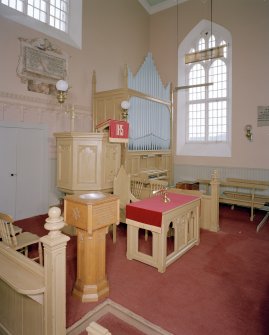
x=91 y=214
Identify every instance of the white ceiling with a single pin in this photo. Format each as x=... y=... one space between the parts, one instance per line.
x=154 y=6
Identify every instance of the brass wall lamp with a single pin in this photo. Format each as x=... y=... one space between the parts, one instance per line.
x=125 y=105
x=62 y=89
x=248 y=132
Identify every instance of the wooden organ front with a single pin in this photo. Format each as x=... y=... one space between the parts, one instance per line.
x=149 y=151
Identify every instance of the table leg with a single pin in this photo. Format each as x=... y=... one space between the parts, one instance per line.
x=132 y=241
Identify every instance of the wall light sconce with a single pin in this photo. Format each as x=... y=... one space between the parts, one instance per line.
x=125 y=105
x=248 y=132
x=62 y=89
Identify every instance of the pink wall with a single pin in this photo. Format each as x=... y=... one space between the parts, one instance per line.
x=118 y=32
x=115 y=32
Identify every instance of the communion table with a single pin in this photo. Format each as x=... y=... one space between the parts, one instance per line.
x=91 y=214
x=153 y=214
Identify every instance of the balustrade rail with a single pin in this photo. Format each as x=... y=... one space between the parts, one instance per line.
x=33 y=298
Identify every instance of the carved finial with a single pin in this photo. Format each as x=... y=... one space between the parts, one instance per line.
x=54 y=222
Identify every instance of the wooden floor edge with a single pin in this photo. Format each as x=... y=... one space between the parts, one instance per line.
x=124 y=314
x=94 y=315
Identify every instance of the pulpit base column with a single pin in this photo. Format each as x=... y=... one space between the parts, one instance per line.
x=91 y=293
x=91 y=283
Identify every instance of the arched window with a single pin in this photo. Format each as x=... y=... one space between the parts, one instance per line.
x=204 y=102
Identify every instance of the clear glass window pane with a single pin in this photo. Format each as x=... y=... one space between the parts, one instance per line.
x=196 y=77
x=20 y=6
x=30 y=11
x=43 y=6
x=225 y=48
x=43 y=17
x=12 y=4
x=218 y=76
x=63 y=26
x=201 y=44
x=212 y=41
x=52 y=12
x=196 y=128
x=36 y=13
x=217 y=121
x=59 y=14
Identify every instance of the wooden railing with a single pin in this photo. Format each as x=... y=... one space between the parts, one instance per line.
x=33 y=298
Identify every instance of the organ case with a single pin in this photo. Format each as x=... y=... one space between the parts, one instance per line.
x=150 y=116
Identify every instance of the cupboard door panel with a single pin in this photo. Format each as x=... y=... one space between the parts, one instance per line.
x=8 y=170
x=31 y=167
x=23 y=171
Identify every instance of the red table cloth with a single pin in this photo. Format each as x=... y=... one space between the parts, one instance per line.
x=150 y=210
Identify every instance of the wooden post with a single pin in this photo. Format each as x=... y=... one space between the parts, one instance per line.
x=55 y=274
x=214 y=217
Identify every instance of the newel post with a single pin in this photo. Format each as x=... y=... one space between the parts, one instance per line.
x=55 y=274
x=215 y=189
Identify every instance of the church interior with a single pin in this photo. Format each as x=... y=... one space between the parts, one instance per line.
x=134 y=169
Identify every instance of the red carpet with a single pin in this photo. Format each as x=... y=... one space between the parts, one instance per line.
x=219 y=287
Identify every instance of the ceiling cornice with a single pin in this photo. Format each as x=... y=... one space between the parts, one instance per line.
x=159 y=7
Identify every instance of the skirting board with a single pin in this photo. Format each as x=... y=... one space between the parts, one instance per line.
x=108 y=306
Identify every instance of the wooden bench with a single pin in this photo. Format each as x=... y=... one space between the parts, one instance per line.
x=243 y=192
